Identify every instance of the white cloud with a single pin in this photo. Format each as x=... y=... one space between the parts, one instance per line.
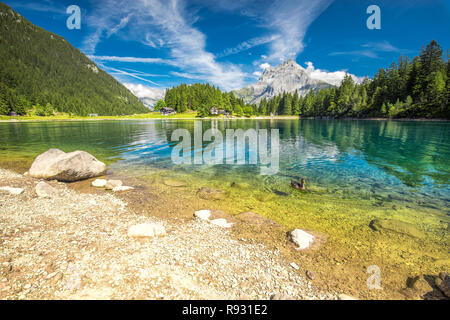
x=369 y=50
x=171 y=26
x=257 y=73
x=142 y=91
x=133 y=75
x=333 y=78
x=246 y=45
x=128 y=59
x=290 y=19
x=122 y=24
x=146 y=94
x=264 y=66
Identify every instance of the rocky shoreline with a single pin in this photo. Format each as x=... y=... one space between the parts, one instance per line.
x=101 y=241
x=58 y=243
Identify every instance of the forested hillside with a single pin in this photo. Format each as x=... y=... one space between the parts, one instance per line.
x=417 y=88
x=409 y=88
x=201 y=97
x=41 y=73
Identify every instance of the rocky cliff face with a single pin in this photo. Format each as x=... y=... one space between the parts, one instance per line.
x=288 y=77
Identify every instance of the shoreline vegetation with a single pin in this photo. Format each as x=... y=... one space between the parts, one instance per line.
x=192 y=116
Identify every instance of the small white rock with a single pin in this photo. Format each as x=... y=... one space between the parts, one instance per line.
x=202 y=214
x=111 y=184
x=45 y=190
x=221 y=223
x=99 y=183
x=295 y=266
x=301 y=238
x=145 y=230
x=122 y=188
x=345 y=297
x=11 y=190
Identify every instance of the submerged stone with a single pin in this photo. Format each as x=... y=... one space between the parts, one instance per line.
x=396 y=226
x=211 y=194
x=174 y=183
x=99 y=183
x=111 y=184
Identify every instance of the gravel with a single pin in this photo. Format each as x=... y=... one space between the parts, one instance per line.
x=75 y=246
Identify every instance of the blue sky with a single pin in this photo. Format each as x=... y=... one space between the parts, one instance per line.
x=161 y=43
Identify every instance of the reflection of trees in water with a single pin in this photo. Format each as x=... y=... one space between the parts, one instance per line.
x=408 y=150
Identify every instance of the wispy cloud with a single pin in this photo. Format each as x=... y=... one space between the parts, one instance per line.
x=291 y=19
x=122 y=24
x=129 y=59
x=171 y=25
x=246 y=45
x=132 y=75
x=369 y=50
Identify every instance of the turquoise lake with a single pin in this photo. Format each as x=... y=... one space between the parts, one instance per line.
x=401 y=160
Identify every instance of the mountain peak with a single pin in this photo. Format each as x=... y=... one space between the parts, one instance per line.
x=289 y=76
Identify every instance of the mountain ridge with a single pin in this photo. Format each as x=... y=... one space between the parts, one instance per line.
x=286 y=77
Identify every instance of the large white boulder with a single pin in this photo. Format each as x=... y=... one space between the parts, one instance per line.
x=73 y=166
x=301 y=238
x=146 y=230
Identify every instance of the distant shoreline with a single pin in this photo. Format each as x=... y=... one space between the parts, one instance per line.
x=128 y=118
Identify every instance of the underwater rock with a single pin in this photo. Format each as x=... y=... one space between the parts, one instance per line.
x=264 y=197
x=99 y=183
x=211 y=194
x=255 y=219
x=69 y=167
x=174 y=183
x=418 y=285
x=111 y=184
x=240 y=185
x=443 y=283
x=396 y=226
x=122 y=188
